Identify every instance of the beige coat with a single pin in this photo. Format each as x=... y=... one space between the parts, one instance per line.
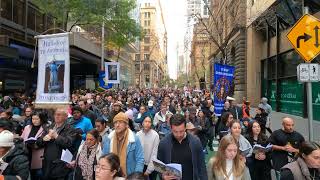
x=212 y=176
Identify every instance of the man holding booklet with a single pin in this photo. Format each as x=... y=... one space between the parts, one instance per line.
x=182 y=148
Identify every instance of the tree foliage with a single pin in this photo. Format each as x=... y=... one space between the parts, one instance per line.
x=121 y=28
x=223 y=25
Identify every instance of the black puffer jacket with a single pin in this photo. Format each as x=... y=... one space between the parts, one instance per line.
x=52 y=166
x=18 y=163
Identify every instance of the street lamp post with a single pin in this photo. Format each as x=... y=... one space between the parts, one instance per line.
x=102 y=48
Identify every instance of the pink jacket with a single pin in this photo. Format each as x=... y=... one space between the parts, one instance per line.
x=37 y=154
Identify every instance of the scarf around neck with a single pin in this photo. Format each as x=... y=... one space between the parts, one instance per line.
x=86 y=160
x=120 y=149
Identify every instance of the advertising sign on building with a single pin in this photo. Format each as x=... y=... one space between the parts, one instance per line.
x=223 y=79
x=53 y=69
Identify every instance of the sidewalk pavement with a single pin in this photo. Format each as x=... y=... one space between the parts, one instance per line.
x=301 y=124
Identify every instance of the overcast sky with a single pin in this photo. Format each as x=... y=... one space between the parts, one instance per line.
x=175 y=11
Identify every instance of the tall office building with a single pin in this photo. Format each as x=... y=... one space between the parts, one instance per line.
x=150 y=64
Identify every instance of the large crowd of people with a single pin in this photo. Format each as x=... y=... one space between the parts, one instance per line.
x=119 y=134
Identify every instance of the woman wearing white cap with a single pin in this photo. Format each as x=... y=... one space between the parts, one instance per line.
x=14 y=163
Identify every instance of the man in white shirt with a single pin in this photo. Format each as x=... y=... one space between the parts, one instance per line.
x=149 y=139
x=161 y=115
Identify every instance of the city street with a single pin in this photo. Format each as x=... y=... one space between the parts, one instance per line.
x=159 y=89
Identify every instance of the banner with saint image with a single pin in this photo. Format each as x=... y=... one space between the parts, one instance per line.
x=223 y=79
x=53 y=69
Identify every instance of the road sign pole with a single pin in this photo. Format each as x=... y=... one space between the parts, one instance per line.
x=310 y=110
x=309 y=98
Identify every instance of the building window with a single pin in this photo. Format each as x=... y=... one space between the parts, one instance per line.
x=6 y=9
x=147 y=77
x=146 y=67
x=18 y=12
x=137 y=67
x=50 y=22
x=137 y=58
x=288 y=63
x=147 y=15
x=147 y=31
x=252 y=2
x=233 y=56
x=205 y=9
x=39 y=22
x=147 y=40
x=146 y=56
x=146 y=48
x=146 y=22
x=31 y=18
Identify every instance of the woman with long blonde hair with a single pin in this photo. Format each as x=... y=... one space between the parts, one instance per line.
x=227 y=164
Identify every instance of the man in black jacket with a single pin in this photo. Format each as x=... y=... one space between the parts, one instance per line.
x=60 y=136
x=182 y=148
x=14 y=163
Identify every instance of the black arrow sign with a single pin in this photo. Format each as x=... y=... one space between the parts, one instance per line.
x=316 y=31
x=305 y=37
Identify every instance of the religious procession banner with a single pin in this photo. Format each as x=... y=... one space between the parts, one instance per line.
x=223 y=79
x=103 y=82
x=53 y=86
x=112 y=70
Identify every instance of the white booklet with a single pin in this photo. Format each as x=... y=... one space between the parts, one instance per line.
x=173 y=168
x=31 y=139
x=66 y=156
x=259 y=147
x=245 y=152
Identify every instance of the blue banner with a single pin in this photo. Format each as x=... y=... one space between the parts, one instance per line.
x=223 y=79
x=102 y=81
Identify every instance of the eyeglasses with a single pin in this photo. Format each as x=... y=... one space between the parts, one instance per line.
x=98 y=167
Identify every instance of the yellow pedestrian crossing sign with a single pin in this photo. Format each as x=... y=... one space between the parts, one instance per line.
x=304 y=37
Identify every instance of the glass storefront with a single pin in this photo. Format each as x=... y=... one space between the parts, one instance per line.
x=292 y=94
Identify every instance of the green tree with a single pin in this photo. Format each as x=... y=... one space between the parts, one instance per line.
x=121 y=28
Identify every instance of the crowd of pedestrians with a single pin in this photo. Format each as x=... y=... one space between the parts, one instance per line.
x=118 y=134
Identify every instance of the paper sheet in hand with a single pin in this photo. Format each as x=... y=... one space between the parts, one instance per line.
x=66 y=156
x=3 y=166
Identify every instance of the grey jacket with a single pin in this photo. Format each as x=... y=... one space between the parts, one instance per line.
x=299 y=169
